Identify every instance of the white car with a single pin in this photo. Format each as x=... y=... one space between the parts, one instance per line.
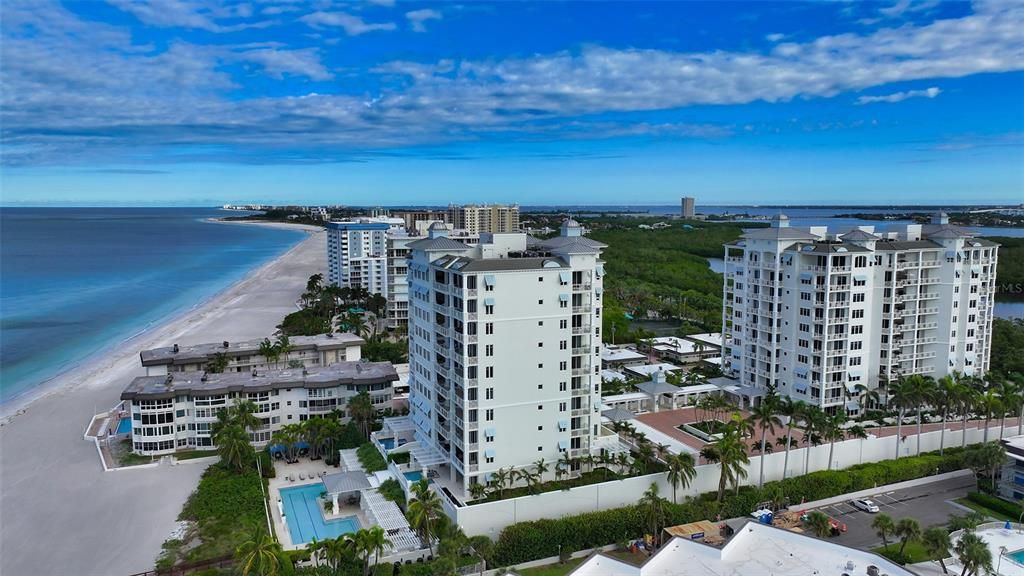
x=865 y=505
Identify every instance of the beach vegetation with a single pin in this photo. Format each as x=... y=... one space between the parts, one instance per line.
x=370 y=458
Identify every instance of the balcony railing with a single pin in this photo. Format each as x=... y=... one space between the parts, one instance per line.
x=585 y=329
x=581 y=350
x=582 y=287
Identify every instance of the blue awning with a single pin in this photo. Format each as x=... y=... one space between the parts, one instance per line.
x=800 y=388
x=489 y=432
x=488 y=301
x=489 y=280
x=599 y=269
x=598 y=290
x=489 y=453
x=860 y=277
x=806 y=275
x=563 y=297
x=563 y=444
x=563 y=276
x=563 y=424
x=276 y=448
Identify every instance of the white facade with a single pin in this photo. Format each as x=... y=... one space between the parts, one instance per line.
x=175 y=411
x=504 y=350
x=357 y=255
x=244 y=356
x=817 y=314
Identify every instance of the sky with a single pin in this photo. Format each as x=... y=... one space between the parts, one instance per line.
x=387 y=102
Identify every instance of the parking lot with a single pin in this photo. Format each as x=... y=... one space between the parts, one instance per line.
x=929 y=504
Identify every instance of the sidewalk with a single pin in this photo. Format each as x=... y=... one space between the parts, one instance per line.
x=878 y=489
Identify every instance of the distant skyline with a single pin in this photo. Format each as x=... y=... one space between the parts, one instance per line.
x=204 y=102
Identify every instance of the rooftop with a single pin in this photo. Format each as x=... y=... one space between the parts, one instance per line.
x=712 y=338
x=620 y=355
x=755 y=550
x=205 y=384
x=648 y=370
x=202 y=352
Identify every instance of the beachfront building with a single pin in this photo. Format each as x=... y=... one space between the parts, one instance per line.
x=175 y=411
x=357 y=255
x=815 y=314
x=481 y=218
x=754 y=549
x=246 y=356
x=688 y=207
x=504 y=351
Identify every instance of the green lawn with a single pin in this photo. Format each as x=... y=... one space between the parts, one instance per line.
x=552 y=569
x=914 y=552
x=984 y=510
x=193 y=454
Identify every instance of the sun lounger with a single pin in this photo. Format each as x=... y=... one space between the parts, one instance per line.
x=302 y=476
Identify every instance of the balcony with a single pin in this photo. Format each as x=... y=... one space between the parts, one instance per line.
x=439 y=286
x=471 y=360
x=441 y=308
x=585 y=329
x=580 y=411
x=473 y=425
x=582 y=287
x=839 y=352
x=839 y=304
x=471 y=293
x=581 y=350
x=581 y=371
x=581 y=308
x=579 y=432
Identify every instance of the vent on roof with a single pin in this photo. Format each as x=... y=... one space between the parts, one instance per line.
x=203 y=377
x=176 y=348
x=225 y=343
x=169 y=379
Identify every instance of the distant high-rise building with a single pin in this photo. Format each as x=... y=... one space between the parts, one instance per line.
x=689 y=207
x=818 y=315
x=476 y=219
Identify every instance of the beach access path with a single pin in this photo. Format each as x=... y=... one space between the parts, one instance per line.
x=60 y=513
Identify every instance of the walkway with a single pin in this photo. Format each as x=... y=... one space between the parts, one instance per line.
x=350 y=460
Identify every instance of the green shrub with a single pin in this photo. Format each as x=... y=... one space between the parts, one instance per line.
x=527 y=541
x=224 y=507
x=392 y=490
x=400 y=458
x=996 y=504
x=370 y=458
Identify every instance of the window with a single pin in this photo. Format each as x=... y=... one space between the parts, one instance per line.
x=489 y=414
x=858 y=329
x=489 y=372
x=489 y=328
x=540 y=406
x=488 y=308
x=488 y=393
x=859 y=297
x=561 y=406
x=856 y=345
x=562 y=365
x=563 y=324
x=540 y=448
x=562 y=345
x=489 y=350
x=541 y=302
x=489 y=459
x=563 y=303
x=540 y=428
x=562 y=387
x=540 y=344
x=858 y=314
x=540 y=278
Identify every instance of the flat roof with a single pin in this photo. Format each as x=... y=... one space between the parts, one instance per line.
x=203 y=352
x=612 y=375
x=620 y=354
x=650 y=369
x=713 y=338
x=207 y=384
x=755 y=550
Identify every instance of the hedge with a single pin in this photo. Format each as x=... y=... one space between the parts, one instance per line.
x=370 y=458
x=528 y=541
x=997 y=504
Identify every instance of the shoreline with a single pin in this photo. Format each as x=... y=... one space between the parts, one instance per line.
x=93 y=362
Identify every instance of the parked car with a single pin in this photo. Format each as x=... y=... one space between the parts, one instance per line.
x=865 y=505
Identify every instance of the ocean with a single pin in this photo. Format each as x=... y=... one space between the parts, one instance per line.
x=76 y=281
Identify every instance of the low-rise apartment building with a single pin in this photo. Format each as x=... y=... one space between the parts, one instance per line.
x=245 y=355
x=175 y=411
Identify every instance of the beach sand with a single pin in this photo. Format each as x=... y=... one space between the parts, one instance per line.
x=60 y=513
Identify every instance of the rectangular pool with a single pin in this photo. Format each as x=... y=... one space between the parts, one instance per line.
x=414 y=476
x=305 y=518
x=124 y=426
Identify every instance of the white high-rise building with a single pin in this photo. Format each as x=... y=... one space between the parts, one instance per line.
x=504 y=351
x=816 y=315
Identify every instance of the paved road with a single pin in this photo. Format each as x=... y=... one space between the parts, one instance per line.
x=929 y=504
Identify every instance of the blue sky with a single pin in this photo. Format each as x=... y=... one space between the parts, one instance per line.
x=390 y=102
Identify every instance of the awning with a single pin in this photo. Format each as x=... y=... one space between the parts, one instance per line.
x=563 y=444
x=563 y=425
x=488 y=301
x=800 y=388
x=860 y=277
x=563 y=297
x=489 y=453
x=599 y=270
x=806 y=275
x=598 y=290
x=489 y=280
x=564 y=277
x=489 y=432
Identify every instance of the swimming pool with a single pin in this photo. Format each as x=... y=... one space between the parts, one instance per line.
x=387 y=443
x=1017 y=556
x=414 y=476
x=124 y=426
x=306 y=521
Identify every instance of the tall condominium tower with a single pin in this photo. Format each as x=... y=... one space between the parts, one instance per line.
x=688 y=207
x=819 y=316
x=477 y=219
x=504 y=342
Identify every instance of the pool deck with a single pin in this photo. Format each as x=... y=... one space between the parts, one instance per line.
x=311 y=470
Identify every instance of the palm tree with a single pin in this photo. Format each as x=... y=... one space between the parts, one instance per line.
x=948 y=392
x=233 y=447
x=564 y=464
x=682 y=468
x=313 y=285
x=424 y=511
x=360 y=408
x=968 y=401
x=832 y=430
x=884 y=527
x=1009 y=396
x=337 y=552
x=499 y=479
x=937 y=544
x=765 y=416
x=819 y=523
x=730 y=453
x=373 y=543
x=654 y=511
x=282 y=346
x=986 y=460
x=218 y=363
x=244 y=414
x=901 y=395
x=866 y=396
x=811 y=428
x=973 y=553
x=792 y=410
x=477 y=490
x=908 y=530
x=924 y=389
x=541 y=468
x=1019 y=379
x=990 y=403
x=268 y=351
x=259 y=555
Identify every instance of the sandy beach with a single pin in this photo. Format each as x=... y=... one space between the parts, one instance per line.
x=60 y=513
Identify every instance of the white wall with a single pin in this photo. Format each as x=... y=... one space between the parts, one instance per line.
x=491 y=517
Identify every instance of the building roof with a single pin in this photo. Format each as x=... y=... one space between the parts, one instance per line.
x=907 y=245
x=575 y=245
x=655 y=388
x=946 y=231
x=831 y=248
x=676 y=345
x=609 y=354
x=618 y=414
x=649 y=369
x=203 y=352
x=756 y=549
x=558 y=241
x=439 y=244
x=712 y=338
x=778 y=233
x=207 y=384
x=608 y=401
x=506 y=264
x=343 y=482
x=858 y=235
x=607 y=375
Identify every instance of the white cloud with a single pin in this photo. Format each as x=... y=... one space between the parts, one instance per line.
x=417 y=18
x=276 y=63
x=901 y=96
x=194 y=14
x=353 y=25
x=387 y=3
x=775 y=37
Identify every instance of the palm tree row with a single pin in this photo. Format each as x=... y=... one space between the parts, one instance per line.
x=230 y=434
x=273 y=351
x=347 y=549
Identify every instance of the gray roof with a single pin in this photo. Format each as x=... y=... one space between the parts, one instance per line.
x=654 y=388
x=832 y=248
x=576 y=245
x=618 y=414
x=859 y=235
x=208 y=384
x=906 y=245
x=558 y=241
x=779 y=233
x=500 y=264
x=983 y=242
x=342 y=482
x=441 y=244
x=203 y=352
x=946 y=231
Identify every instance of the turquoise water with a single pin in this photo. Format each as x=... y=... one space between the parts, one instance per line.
x=387 y=443
x=1017 y=556
x=414 y=476
x=76 y=281
x=124 y=426
x=305 y=520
